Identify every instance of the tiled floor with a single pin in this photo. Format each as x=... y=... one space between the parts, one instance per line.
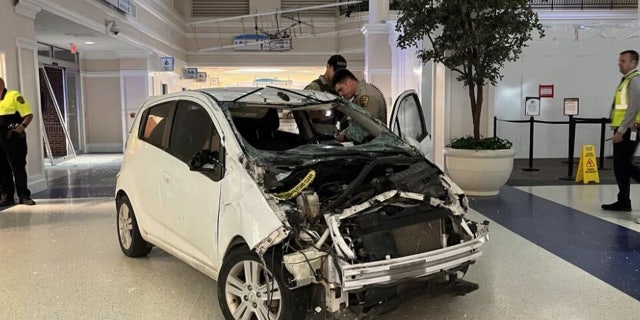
x=553 y=254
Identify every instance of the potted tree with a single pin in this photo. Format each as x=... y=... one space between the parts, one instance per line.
x=473 y=38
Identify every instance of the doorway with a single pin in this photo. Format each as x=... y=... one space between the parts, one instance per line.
x=61 y=112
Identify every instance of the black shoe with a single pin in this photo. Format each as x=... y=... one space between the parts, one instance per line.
x=27 y=201
x=617 y=206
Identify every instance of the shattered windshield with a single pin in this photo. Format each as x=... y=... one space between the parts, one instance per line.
x=310 y=125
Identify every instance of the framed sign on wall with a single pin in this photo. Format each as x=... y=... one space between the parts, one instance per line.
x=571 y=106
x=545 y=91
x=532 y=106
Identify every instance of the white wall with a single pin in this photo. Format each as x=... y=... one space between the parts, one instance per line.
x=579 y=62
x=134 y=90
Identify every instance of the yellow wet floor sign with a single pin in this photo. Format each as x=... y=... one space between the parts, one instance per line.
x=588 y=169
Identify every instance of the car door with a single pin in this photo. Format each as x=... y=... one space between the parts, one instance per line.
x=409 y=122
x=148 y=161
x=192 y=197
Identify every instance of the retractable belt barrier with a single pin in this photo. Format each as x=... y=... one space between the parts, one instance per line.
x=572 y=138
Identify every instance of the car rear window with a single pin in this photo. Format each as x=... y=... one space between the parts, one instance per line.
x=154 y=124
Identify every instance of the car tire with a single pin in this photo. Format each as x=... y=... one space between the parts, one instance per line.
x=131 y=242
x=238 y=296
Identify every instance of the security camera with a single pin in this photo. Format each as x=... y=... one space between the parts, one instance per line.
x=112 y=27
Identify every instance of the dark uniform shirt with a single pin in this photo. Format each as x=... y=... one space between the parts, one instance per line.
x=371 y=99
x=320 y=84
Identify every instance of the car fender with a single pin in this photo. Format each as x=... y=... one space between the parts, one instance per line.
x=246 y=213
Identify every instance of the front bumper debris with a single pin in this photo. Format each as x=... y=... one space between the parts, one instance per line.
x=357 y=276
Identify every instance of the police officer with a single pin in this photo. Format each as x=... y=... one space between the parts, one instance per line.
x=323 y=83
x=625 y=117
x=15 y=116
x=364 y=94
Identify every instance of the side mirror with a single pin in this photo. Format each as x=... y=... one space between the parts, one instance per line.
x=205 y=160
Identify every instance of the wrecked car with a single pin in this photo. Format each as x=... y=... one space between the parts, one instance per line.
x=317 y=211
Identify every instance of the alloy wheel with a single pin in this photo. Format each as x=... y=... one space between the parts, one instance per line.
x=125 y=227
x=252 y=293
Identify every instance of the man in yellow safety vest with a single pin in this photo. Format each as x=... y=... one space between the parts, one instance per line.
x=15 y=116
x=625 y=121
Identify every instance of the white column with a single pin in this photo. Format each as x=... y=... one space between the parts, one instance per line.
x=377 y=56
x=440 y=112
x=378 y=11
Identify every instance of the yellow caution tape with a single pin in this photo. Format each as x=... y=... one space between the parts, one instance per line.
x=303 y=184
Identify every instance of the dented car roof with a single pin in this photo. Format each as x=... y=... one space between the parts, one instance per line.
x=270 y=95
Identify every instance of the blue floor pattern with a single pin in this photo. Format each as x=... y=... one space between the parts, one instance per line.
x=605 y=250
x=84 y=183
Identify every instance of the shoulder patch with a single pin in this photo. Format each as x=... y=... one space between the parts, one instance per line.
x=363 y=101
x=20 y=99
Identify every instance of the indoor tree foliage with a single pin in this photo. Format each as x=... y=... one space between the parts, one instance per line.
x=474 y=38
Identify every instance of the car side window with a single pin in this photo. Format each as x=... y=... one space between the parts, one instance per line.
x=154 y=124
x=192 y=131
x=410 y=122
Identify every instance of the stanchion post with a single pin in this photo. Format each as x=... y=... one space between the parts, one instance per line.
x=530 y=168
x=603 y=126
x=572 y=143
x=495 y=126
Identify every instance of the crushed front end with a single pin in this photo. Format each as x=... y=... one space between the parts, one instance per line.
x=366 y=229
x=365 y=216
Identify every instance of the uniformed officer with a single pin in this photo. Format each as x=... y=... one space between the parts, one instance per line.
x=364 y=94
x=323 y=123
x=625 y=117
x=323 y=83
x=15 y=116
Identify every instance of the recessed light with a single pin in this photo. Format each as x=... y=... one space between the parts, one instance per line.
x=89 y=42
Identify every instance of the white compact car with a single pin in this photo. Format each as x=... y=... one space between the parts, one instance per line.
x=294 y=201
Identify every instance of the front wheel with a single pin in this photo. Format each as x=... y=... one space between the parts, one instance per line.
x=246 y=290
x=131 y=241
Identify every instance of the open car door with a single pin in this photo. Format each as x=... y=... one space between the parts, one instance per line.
x=409 y=123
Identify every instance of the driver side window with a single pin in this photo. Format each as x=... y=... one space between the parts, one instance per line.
x=193 y=131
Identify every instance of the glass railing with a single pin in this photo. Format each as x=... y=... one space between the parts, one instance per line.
x=583 y=4
x=535 y=4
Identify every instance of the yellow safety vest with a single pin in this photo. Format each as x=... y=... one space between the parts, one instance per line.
x=14 y=102
x=621 y=101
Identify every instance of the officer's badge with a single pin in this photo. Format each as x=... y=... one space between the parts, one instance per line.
x=20 y=99
x=364 y=101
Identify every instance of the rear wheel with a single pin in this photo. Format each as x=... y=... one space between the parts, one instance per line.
x=248 y=291
x=131 y=242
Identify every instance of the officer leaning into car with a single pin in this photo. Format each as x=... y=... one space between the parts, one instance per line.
x=323 y=83
x=15 y=116
x=362 y=93
x=326 y=124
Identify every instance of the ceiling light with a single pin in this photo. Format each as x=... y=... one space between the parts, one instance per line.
x=89 y=42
